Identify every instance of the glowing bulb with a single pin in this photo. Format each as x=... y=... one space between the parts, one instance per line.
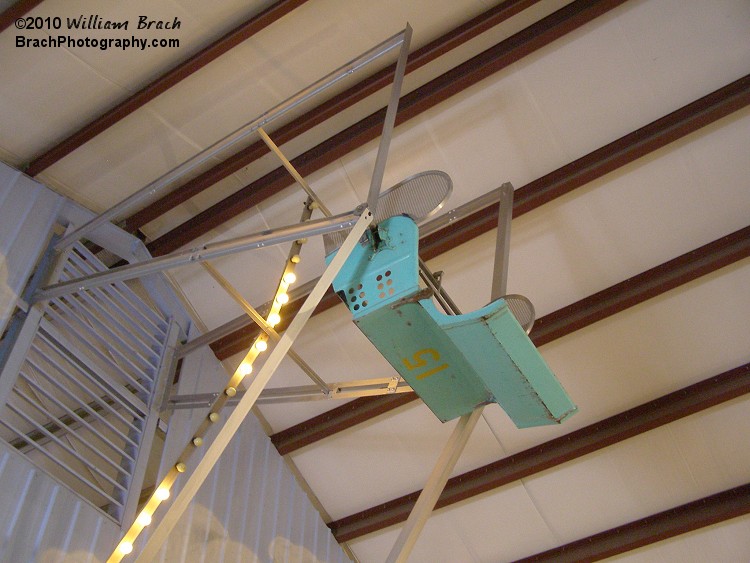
x=282 y=298
x=274 y=319
x=162 y=494
x=245 y=369
x=289 y=277
x=126 y=547
x=261 y=345
x=144 y=519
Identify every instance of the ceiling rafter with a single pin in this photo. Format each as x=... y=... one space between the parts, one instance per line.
x=328 y=109
x=610 y=301
x=632 y=422
x=17 y=10
x=596 y=164
x=481 y=66
x=163 y=83
x=695 y=515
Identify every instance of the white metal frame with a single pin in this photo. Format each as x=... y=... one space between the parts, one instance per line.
x=214 y=451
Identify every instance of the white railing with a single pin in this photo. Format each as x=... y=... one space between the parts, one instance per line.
x=81 y=384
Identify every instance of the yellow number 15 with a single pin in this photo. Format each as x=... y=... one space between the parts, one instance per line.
x=420 y=359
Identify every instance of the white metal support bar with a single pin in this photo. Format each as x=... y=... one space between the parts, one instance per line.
x=204 y=252
x=167 y=365
x=214 y=451
x=151 y=190
x=502 y=246
x=293 y=171
x=434 y=486
x=299 y=393
x=264 y=326
x=389 y=122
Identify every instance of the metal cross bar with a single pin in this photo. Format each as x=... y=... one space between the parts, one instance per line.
x=434 y=486
x=448 y=305
x=388 y=123
x=232 y=425
x=287 y=105
x=300 y=393
x=205 y=252
x=264 y=326
x=293 y=171
x=502 y=246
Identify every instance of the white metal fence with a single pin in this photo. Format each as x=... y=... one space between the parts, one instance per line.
x=88 y=368
x=81 y=375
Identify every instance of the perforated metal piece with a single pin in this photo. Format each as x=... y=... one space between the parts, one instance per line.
x=419 y=196
x=522 y=310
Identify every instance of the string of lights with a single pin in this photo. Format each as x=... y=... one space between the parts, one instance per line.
x=244 y=369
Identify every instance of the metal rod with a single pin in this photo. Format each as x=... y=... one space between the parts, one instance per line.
x=200 y=253
x=92 y=325
x=502 y=244
x=39 y=390
x=344 y=390
x=85 y=406
x=69 y=450
x=129 y=297
x=264 y=326
x=88 y=334
x=293 y=171
x=388 y=123
x=61 y=463
x=76 y=267
x=240 y=322
x=287 y=105
x=214 y=451
x=126 y=330
x=440 y=294
x=127 y=397
x=434 y=486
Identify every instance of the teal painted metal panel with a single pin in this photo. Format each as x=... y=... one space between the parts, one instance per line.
x=454 y=363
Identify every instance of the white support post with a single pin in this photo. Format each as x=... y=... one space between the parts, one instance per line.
x=434 y=487
x=502 y=244
x=389 y=122
x=214 y=451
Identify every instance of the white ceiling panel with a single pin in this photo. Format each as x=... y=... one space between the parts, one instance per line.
x=507 y=518
x=377 y=462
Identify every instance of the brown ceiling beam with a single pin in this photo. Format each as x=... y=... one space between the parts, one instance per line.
x=481 y=66
x=17 y=10
x=162 y=84
x=653 y=414
x=657 y=527
x=605 y=303
x=610 y=157
x=624 y=150
x=328 y=109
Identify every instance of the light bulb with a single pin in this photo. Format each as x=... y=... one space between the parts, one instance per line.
x=282 y=298
x=274 y=319
x=144 y=519
x=162 y=493
x=245 y=369
x=126 y=547
x=261 y=345
x=289 y=277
